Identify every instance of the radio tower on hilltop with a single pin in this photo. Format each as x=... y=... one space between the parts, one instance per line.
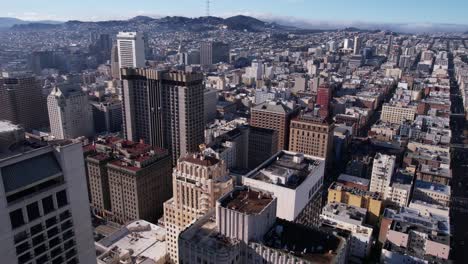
x=208 y=2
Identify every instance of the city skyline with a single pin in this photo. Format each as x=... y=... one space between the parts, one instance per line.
x=286 y=11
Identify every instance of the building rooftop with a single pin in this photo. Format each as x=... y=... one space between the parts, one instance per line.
x=140 y=241
x=346 y=213
x=316 y=246
x=439 y=171
x=353 y=190
x=287 y=169
x=343 y=178
x=204 y=232
x=201 y=159
x=247 y=201
x=273 y=106
x=126 y=154
x=433 y=187
x=407 y=219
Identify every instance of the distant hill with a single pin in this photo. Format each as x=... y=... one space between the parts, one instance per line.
x=6 y=22
x=170 y=23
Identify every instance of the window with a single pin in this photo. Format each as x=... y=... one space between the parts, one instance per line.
x=62 y=198
x=16 y=218
x=33 y=211
x=48 y=205
x=36 y=229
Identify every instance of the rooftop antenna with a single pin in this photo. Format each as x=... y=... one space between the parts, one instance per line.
x=208 y=2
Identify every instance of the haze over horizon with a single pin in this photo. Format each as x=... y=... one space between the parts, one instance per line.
x=405 y=16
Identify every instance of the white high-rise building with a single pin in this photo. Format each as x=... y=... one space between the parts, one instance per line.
x=70 y=113
x=256 y=70
x=346 y=44
x=382 y=171
x=131 y=49
x=44 y=207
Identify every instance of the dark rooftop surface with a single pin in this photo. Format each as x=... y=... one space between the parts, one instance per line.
x=202 y=160
x=247 y=201
x=314 y=245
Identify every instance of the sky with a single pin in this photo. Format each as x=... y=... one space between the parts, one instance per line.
x=366 y=11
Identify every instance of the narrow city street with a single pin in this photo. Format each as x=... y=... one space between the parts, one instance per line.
x=459 y=209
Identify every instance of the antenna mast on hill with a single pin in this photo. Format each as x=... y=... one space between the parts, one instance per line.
x=208 y=2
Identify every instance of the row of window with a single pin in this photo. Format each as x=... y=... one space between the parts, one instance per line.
x=33 y=212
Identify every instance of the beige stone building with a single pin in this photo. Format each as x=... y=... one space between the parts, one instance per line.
x=128 y=180
x=396 y=114
x=198 y=182
x=312 y=136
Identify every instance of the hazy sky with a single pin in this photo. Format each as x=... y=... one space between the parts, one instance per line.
x=393 y=11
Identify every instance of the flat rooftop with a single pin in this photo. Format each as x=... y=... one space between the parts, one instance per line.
x=353 y=179
x=141 y=239
x=201 y=159
x=346 y=213
x=247 y=201
x=353 y=190
x=309 y=244
x=287 y=169
x=434 y=187
x=204 y=232
x=406 y=219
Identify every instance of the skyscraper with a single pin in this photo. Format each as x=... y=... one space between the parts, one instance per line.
x=165 y=109
x=22 y=102
x=70 y=113
x=44 y=208
x=107 y=115
x=357 y=45
x=131 y=49
x=213 y=52
x=198 y=182
x=115 y=67
x=324 y=95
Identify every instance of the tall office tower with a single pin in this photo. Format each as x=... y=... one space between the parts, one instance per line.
x=263 y=143
x=115 y=67
x=131 y=50
x=390 y=44
x=210 y=101
x=22 y=102
x=311 y=135
x=357 y=45
x=107 y=116
x=213 y=52
x=382 y=172
x=198 y=182
x=346 y=44
x=101 y=47
x=40 y=60
x=193 y=57
x=44 y=207
x=276 y=116
x=128 y=180
x=70 y=113
x=324 y=96
x=165 y=109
